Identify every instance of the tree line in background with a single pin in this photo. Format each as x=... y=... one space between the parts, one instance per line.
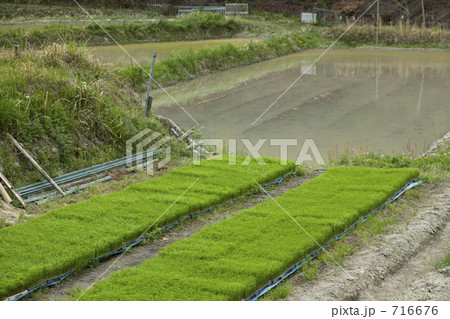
x=432 y=12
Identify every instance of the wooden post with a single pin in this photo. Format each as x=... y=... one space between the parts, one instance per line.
x=423 y=14
x=36 y=165
x=148 y=98
x=5 y=195
x=12 y=189
x=378 y=19
x=178 y=132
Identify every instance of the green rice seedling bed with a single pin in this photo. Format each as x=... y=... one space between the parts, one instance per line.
x=230 y=260
x=68 y=237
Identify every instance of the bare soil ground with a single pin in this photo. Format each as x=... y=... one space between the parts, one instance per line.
x=9 y=215
x=397 y=265
x=148 y=250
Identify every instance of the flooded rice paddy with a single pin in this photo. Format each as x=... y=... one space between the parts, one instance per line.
x=143 y=52
x=387 y=101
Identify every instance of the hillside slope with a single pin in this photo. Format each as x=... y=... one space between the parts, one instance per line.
x=67 y=109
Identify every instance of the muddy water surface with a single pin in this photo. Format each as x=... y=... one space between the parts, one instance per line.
x=385 y=101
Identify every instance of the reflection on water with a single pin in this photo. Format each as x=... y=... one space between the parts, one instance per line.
x=381 y=100
x=143 y=52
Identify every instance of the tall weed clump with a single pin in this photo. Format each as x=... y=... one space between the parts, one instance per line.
x=402 y=35
x=67 y=109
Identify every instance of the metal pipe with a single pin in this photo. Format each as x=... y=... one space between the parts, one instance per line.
x=51 y=196
x=44 y=186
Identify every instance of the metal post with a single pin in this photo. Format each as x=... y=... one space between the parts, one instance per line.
x=148 y=98
x=419 y=101
x=16 y=49
x=376 y=79
x=378 y=19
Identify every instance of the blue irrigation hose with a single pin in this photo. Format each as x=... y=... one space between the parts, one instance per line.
x=56 y=280
x=275 y=282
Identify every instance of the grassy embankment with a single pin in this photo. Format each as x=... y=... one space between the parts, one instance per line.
x=395 y=36
x=231 y=259
x=70 y=236
x=434 y=167
x=31 y=102
x=287 y=36
x=190 y=27
x=68 y=110
x=188 y=64
x=71 y=112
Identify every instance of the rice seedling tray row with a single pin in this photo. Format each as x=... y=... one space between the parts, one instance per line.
x=57 y=280
x=68 y=237
x=275 y=282
x=232 y=259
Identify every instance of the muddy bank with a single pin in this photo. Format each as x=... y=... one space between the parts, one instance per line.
x=9 y=214
x=369 y=47
x=370 y=272
x=438 y=143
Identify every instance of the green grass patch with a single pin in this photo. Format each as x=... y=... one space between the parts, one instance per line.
x=230 y=260
x=68 y=110
x=188 y=64
x=433 y=167
x=445 y=262
x=278 y=292
x=402 y=36
x=69 y=236
x=310 y=269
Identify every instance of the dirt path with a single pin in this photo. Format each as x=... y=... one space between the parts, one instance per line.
x=143 y=252
x=399 y=285
x=390 y=266
x=9 y=215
